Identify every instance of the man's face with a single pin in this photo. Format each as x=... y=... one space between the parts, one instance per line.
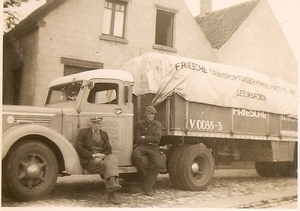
x=96 y=125
x=149 y=116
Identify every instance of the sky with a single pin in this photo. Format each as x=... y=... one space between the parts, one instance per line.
x=286 y=12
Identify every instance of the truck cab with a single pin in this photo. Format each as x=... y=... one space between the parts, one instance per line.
x=38 y=143
x=101 y=92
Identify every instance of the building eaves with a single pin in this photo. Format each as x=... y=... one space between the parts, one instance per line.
x=35 y=19
x=220 y=25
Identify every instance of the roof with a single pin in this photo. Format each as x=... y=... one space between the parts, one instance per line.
x=32 y=20
x=99 y=73
x=220 y=25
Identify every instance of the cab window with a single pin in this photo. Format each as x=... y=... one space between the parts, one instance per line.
x=104 y=93
x=64 y=93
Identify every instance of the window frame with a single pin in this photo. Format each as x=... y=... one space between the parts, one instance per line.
x=172 y=13
x=104 y=87
x=112 y=18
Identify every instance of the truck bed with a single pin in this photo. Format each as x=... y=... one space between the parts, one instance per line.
x=189 y=119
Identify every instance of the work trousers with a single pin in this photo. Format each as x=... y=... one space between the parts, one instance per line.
x=108 y=168
x=148 y=161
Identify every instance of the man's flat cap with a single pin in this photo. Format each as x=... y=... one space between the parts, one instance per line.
x=151 y=109
x=96 y=118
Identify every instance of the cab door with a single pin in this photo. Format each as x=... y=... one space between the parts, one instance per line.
x=110 y=99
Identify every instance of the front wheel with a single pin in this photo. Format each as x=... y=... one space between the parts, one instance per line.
x=30 y=170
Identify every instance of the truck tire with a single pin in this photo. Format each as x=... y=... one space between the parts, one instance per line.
x=173 y=165
x=196 y=168
x=275 y=169
x=30 y=170
x=287 y=169
x=267 y=169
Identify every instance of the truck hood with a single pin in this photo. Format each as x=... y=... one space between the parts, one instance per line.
x=30 y=110
x=35 y=112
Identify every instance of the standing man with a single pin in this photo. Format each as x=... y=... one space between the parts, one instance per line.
x=96 y=156
x=147 y=136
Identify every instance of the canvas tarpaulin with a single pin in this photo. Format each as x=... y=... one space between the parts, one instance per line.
x=210 y=83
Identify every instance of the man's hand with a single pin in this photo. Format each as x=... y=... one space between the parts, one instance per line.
x=98 y=160
x=98 y=155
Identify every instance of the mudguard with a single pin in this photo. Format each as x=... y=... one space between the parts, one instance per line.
x=70 y=156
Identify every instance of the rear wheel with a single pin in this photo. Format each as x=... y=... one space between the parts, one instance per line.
x=196 y=168
x=266 y=169
x=275 y=169
x=287 y=169
x=30 y=170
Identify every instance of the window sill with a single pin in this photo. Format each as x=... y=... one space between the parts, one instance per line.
x=164 y=48
x=113 y=39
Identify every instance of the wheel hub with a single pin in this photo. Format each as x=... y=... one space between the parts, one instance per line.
x=33 y=171
x=195 y=167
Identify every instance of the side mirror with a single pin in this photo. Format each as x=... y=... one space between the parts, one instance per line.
x=91 y=85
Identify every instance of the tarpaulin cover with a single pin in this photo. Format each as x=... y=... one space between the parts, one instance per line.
x=210 y=83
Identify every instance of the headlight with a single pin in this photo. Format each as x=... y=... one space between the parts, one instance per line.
x=10 y=119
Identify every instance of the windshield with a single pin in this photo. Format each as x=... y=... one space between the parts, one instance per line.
x=64 y=92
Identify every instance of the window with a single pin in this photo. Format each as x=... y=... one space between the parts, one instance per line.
x=104 y=93
x=73 y=66
x=64 y=92
x=164 y=28
x=114 y=18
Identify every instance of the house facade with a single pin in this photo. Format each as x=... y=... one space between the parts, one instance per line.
x=248 y=35
x=69 y=36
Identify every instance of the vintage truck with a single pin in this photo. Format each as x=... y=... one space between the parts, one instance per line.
x=211 y=114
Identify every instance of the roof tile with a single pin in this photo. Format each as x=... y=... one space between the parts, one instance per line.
x=220 y=25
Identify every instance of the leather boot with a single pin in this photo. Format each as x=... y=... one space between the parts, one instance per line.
x=111 y=198
x=113 y=184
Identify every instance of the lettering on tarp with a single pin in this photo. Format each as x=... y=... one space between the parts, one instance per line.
x=249 y=113
x=257 y=95
x=190 y=65
x=249 y=80
x=252 y=95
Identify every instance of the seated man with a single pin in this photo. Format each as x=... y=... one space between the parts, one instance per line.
x=147 y=136
x=96 y=156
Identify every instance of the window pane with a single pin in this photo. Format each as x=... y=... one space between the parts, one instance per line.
x=164 y=28
x=104 y=93
x=119 y=21
x=64 y=93
x=114 y=17
x=110 y=5
x=107 y=21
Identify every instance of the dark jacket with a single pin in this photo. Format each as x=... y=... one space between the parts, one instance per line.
x=152 y=132
x=84 y=144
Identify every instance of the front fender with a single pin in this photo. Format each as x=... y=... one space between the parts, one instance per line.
x=70 y=156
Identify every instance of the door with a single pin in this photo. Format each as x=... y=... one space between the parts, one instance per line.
x=107 y=99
